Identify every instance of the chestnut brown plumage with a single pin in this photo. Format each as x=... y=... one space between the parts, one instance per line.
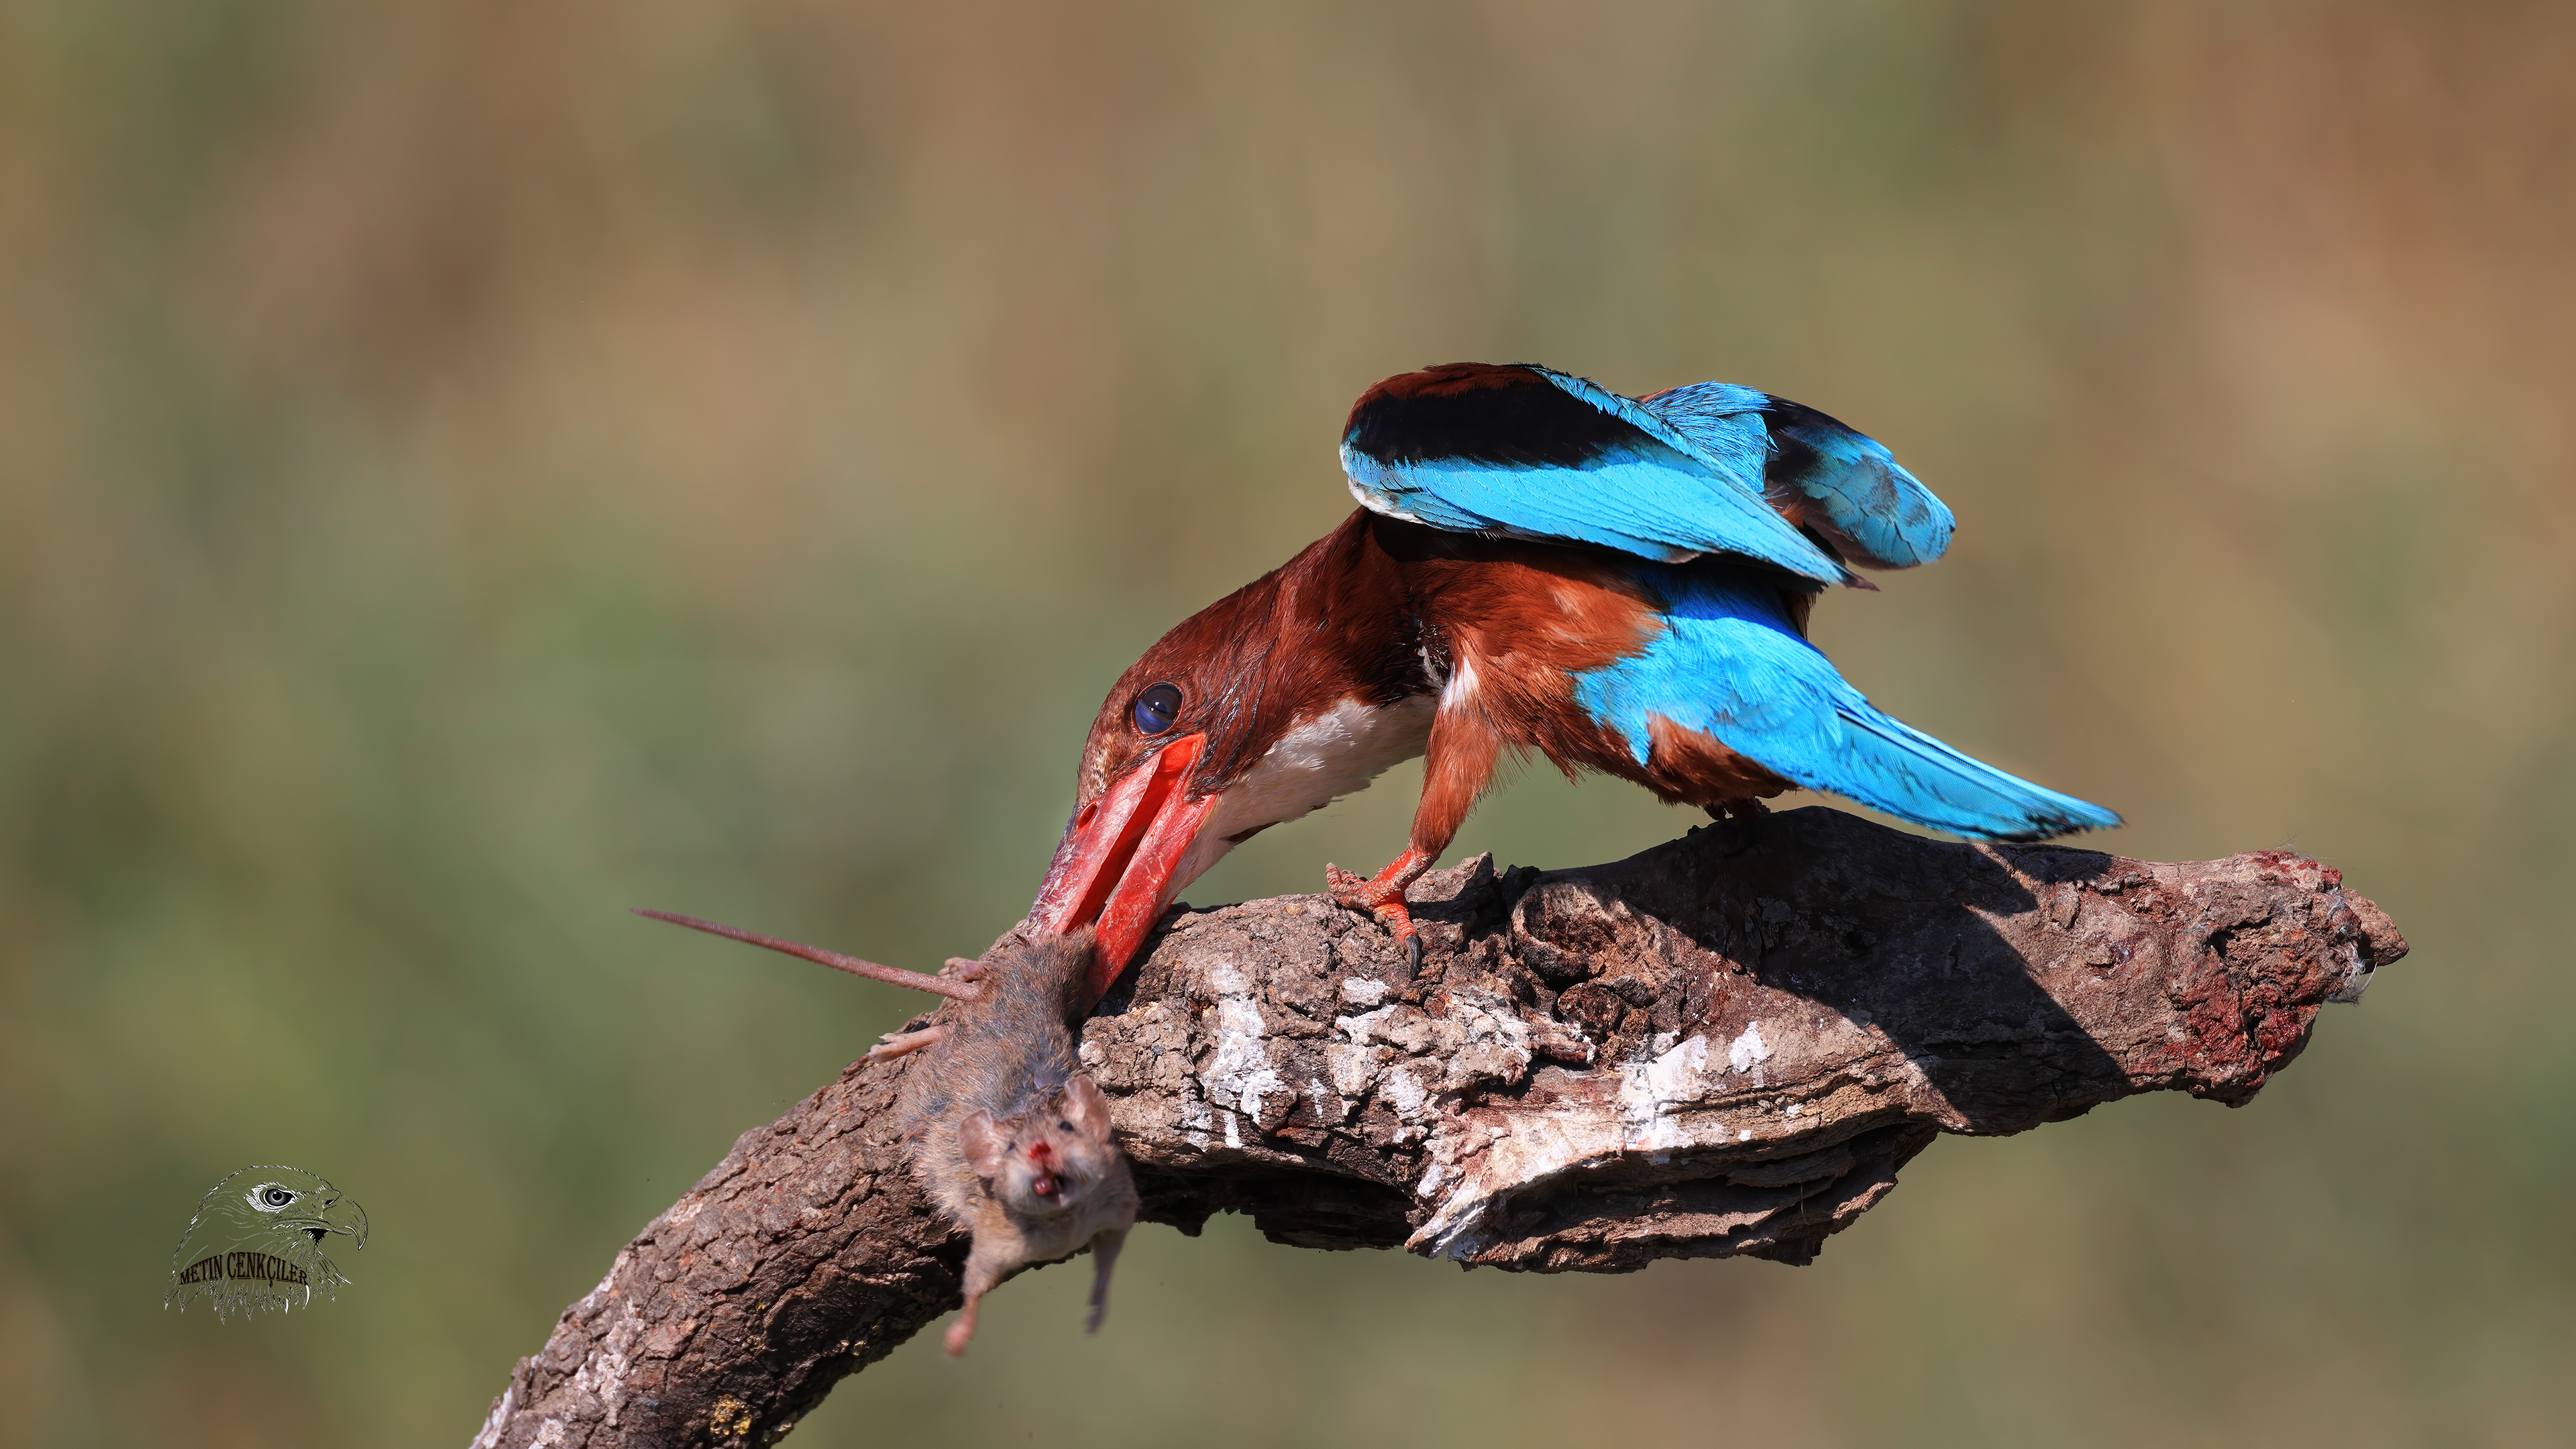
x=1539 y=565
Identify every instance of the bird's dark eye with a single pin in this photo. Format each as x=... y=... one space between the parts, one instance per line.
x=276 y=1197
x=1156 y=708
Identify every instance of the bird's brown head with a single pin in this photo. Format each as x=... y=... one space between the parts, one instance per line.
x=1174 y=774
x=1178 y=728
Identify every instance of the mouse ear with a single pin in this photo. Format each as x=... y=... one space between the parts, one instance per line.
x=1086 y=1108
x=983 y=1146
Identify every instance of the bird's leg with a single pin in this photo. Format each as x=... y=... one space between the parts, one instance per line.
x=1747 y=809
x=1383 y=895
x=1456 y=767
x=1739 y=824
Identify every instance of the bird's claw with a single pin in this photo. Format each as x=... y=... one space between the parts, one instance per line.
x=1382 y=898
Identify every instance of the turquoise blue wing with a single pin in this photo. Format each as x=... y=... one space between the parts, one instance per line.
x=1730 y=664
x=1842 y=485
x=1521 y=451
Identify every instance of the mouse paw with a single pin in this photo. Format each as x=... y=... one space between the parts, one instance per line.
x=904 y=1043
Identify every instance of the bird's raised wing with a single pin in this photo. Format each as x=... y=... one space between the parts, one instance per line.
x=1521 y=451
x=1818 y=473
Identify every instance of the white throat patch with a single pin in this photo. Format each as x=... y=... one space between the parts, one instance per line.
x=1323 y=758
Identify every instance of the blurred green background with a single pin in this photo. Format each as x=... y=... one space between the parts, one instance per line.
x=469 y=469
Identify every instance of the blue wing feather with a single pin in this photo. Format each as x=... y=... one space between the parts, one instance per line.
x=1842 y=483
x=1480 y=448
x=1645 y=500
x=1730 y=664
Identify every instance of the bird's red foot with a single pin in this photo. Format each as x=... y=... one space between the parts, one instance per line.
x=1383 y=897
x=1380 y=897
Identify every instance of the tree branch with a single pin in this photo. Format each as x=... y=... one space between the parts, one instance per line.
x=1725 y=1045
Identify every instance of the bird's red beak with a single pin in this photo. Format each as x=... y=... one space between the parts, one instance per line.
x=1117 y=861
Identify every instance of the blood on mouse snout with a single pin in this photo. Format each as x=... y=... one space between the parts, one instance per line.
x=1013 y=1140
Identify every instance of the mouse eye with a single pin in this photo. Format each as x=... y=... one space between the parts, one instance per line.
x=1156 y=708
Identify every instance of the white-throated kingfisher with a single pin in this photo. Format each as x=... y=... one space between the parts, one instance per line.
x=1537 y=564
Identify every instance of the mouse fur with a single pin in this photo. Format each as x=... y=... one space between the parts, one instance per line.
x=1010 y=1137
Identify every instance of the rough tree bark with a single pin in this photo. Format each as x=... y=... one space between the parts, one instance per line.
x=1726 y=1045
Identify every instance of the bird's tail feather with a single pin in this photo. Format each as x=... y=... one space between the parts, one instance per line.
x=1892 y=766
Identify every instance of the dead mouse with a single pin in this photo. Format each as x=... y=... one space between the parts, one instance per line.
x=1008 y=1135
